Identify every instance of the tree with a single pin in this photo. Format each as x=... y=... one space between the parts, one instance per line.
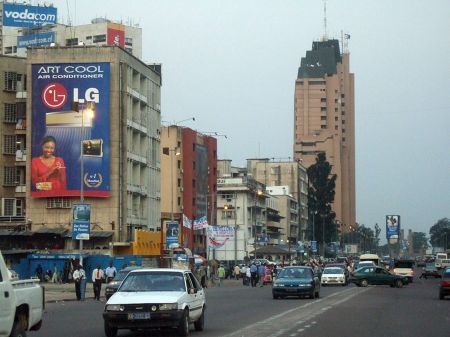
x=377 y=235
x=320 y=198
x=440 y=233
x=419 y=242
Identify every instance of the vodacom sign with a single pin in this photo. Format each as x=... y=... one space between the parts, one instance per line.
x=54 y=95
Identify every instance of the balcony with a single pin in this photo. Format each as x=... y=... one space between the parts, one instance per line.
x=21 y=156
x=138 y=189
x=134 y=93
x=21 y=188
x=137 y=158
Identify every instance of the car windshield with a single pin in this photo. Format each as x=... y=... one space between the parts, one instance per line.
x=333 y=271
x=404 y=264
x=430 y=266
x=153 y=281
x=121 y=275
x=295 y=273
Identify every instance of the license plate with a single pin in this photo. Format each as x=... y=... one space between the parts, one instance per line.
x=291 y=290
x=139 y=315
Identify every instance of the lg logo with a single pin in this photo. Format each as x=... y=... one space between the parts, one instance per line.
x=54 y=95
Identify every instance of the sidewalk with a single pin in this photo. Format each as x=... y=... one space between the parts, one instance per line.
x=57 y=292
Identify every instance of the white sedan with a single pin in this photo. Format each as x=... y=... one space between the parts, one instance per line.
x=333 y=275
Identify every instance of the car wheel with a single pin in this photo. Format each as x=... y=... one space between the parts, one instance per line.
x=398 y=283
x=317 y=294
x=364 y=283
x=275 y=296
x=183 y=328
x=18 y=330
x=110 y=331
x=410 y=280
x=200 y=323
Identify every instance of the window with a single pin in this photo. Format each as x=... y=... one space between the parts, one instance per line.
x=323 y=108
x=323 y=126
x=323 y=118
x=9 y=176
x=193 y=146
x=10 y=83
x=193 y=202
x=8 y=206
x=179 y=182
x=128 y=41
x=323 y=100
x=179 y=201
x=336 y=127
x=193 y=165
x=10 y=113
x=179 y=164
x=308 y=143
x=193 y=183
x=343 y=121
x=72 y=42
x=336 y=118
x=9 y=144
x=99 y=38
x=88 y=37
x=10 y=50
x=58 y=203
x=316 y=82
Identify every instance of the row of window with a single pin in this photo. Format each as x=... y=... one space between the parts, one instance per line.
x=11 y=80
x=96 y=39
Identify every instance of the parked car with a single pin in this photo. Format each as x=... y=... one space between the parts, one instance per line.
x=333 y=275
x=156 y=298
x=21 y=304
x=377 y=276
x=112 y=286
x=296 y=281
x=444 y=285
x=430 y=270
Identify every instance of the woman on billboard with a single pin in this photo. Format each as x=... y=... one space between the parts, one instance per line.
x=48 y=172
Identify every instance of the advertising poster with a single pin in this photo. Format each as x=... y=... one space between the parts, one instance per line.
x=172 y=231
x=81 y=221
x=70 y=130
x=34 y=40
x=15 y=15
x=218 y=236
x=314 y=246
x=392 y=227
x=115 y=35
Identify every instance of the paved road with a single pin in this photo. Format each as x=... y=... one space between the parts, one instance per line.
x=236 y=311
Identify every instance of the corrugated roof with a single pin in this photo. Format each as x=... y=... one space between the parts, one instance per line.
x=48 y=230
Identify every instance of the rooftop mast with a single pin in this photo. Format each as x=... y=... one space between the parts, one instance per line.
x=325 y=34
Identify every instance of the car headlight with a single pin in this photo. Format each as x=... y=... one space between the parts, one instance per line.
x=304 y=285
x=115 y=307
x=279 y=285
x=168 y=306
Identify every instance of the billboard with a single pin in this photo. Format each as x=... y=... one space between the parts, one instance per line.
x=34 y=40
x=27 y=16
x=392 y=228
x=115 y=35
x=219 y=235
x=70 y=130
x=201 y=180
x=172 y=232
x=81 y=221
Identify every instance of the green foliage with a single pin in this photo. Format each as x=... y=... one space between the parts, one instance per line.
x=420 y=242
x=440 y=233
x=320 y=198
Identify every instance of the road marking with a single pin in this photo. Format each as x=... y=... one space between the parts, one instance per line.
x=280 y=321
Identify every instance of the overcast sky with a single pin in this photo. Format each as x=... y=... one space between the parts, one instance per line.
x=232 y=65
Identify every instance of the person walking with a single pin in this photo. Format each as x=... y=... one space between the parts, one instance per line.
x=261 y=270
x=243 y=271
x=55 y=273
x=203 y=276
x=253 y=274
x=221 y=274
x=237 y=272
x=110 y=272
x=82 y=283
x=77 y=279
x=97 y=278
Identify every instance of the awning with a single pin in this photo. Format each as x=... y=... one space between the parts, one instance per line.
x=271 y=250
x=15 y=233
x=49 y=230
x=18 y=251
x=94 y=234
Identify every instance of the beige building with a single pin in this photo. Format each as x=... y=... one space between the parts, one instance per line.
x=133 y=200
x=324 y=119
x=291 y=174
x=13 y=142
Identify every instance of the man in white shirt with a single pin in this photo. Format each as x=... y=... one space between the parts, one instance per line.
x=110 y=272
x=77 y=277
x=97 y=278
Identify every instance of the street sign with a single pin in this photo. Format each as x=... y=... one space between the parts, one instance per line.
x=314 y=246
x=81 y=221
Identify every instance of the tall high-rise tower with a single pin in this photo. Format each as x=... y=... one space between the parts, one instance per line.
x=325 y=119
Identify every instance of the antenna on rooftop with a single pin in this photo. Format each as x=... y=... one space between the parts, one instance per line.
x=325 y=34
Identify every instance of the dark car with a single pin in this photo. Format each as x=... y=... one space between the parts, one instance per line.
x=296 y=281
x=444 y=285
x=430 y=270
x=377 y=276
x=112 y=286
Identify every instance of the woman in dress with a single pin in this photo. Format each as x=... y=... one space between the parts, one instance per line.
x=48 y=172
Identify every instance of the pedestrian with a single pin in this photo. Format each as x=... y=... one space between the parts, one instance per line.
x=39 y=272
x=243 y=271
x=77 y=279
x=221 y=274
x=203 y=276
x=261 y=271
x=253 y=274
x=248 y=276
x=82 y=283
x=110 y=272
x=55 y=273
x=237 y=272
x=97 y=278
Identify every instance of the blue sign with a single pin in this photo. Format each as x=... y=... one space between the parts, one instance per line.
x=71 y=125
x=27 y=16
x=33 y=40
x=314 y=246
x=392 y=227
x=81 y=226
x=172 y=232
